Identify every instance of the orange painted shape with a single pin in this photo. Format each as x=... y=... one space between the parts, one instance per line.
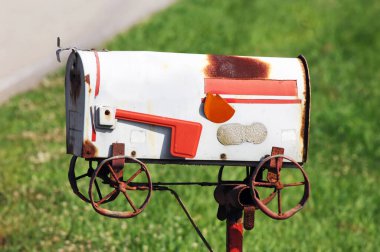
x=185 y=135
x=216 y=109
x=251 y=87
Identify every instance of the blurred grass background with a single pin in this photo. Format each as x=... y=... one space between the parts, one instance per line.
x=340 y=39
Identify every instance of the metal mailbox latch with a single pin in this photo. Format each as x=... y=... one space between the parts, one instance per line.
x=106 y=117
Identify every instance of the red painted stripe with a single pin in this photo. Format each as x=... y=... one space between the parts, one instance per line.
x=251 y=87
x=97 y=74
x=263 y=101
x=260 y=101
x=93 y=137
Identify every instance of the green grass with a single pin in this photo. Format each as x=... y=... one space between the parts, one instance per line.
x=341 y=41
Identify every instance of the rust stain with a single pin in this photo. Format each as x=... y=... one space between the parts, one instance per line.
x=305 y=119
x=88 y=149
x=75 y=81
x=87 y=80
x=302 y=130
x=236 y=67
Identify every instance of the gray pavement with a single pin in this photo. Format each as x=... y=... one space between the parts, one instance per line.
x=28 y=31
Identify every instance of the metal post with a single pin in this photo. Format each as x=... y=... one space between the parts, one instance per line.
x=234 y=236
x=234 y=232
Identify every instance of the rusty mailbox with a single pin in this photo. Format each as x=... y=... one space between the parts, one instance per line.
x=173 y=108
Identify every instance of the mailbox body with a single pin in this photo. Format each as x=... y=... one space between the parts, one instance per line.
x=271 y=92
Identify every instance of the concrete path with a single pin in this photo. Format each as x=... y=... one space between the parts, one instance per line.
x=28 y=31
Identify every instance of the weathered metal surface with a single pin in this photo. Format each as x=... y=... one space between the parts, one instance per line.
x=118 y=164
x=88 y=82
x=75 y=105
x=121 y=188
x=249 y=217
x=236 y=67
x=89 y=150
x=75 y=79
x=279 y=186
x=275 y=165
x=173 y=86
x=305 y=121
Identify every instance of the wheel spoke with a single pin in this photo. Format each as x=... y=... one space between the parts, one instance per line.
x=98 y=189
x=278 y=167
x=279 y=202
x=134 y=176
x=263 y=184
x=294 y=184
x=106 y=197
x=139 y=186
x=269 y=198
x=113 y=172
x=130 y=201
x=81 y=176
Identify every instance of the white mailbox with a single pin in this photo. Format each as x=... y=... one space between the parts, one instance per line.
x=186 y=108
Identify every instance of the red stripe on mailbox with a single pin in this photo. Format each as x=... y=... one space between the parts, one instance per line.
x=261 y=101
x=97 y=73
x=251 y=87
x=93 y=135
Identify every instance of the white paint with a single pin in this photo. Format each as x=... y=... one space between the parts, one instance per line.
x=172 y=85
x=106 y=117
x=138 y=136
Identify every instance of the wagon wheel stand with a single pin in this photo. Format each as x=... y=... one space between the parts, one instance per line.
x=110 y=171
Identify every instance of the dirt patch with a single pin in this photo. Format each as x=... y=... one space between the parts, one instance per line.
x=3 y=241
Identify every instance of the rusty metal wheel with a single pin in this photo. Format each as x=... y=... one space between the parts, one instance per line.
x=121 y=187
x=274 y=181
x=73 y=179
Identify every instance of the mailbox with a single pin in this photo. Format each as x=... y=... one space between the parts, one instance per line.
x=175 y=108
x=186 y=108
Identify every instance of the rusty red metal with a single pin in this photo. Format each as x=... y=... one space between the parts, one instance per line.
x=305 y=126
x=118 y=149
x=249 y=217
x=87 y=80
x=274 y=163
x=120 y=186
x=237 y=201
x=88 y=149
x=273 y=174
x=236 y=67
x=278 y=186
